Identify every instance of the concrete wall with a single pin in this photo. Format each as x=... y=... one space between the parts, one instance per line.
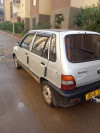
x=65 y=12
x=45 y=7
x=31 y=20
x=26 y=23
x=83 y=3
x=90 y=2
x=60 y=4
x=7 y=10
x=44 y=19
x=27 y=8
x=34 y=9
x=71 y=17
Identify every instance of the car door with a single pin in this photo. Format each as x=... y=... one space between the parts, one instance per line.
x=24 y=48
x=39 y=55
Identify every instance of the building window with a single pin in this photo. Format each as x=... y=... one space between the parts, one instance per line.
x=23 y=21
x=34 y=2
x=34 y=22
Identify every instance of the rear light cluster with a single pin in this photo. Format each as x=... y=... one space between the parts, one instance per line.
x=67 y=83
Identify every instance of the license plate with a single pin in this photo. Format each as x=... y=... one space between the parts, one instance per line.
x=92 y=94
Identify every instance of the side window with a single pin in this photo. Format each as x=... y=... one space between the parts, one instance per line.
x=39 y=44
x=53 y=49
x=27 y=41
x=45 y=51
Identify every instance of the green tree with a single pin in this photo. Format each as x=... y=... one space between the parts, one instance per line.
x=88 y=18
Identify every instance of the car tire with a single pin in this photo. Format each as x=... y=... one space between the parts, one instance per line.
x=17 y=65
x=47 y=93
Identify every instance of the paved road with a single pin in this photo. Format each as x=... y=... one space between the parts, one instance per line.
x=22 y=109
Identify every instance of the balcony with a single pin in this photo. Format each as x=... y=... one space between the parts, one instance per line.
x=16 y=2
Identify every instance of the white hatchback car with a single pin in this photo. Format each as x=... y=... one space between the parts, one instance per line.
x=66 y=63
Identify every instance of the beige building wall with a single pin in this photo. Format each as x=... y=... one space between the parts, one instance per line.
x=23 y=9
x=65 y=12
x=83 y=3
x=37 y=20
x=7 y=14
x=90 y=2
x=27 y=8
x=45 y=7
x=16 y=10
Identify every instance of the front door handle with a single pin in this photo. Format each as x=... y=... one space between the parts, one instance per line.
x=25 y=53
x=43 y=63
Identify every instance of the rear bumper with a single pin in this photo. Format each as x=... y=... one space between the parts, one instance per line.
x=65 y=98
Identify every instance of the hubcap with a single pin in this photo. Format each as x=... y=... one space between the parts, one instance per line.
x=47 y=94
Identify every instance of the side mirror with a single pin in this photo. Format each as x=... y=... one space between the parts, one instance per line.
x=17 y=44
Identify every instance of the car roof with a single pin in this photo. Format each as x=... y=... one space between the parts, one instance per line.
x=65 y=31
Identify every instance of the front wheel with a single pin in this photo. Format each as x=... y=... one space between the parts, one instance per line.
x=17 y=65
x=47 y=93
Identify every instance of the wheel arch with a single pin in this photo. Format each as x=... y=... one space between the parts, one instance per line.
x=42 y=80
x=54 y=100
x=14 y=55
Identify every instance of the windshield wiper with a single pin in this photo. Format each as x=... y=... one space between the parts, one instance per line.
x=86 y=50
x=89 y=51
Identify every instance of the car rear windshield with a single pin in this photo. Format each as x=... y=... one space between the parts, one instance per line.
x=83 y=47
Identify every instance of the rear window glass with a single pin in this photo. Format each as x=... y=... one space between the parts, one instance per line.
x=83 y=47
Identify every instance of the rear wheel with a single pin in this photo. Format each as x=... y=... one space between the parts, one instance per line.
x=17 y=65
x=47 y=93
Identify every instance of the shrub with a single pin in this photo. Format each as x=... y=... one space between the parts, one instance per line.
x=88 y=18
x=58 y=21
x=42 y=26
x=19 y=27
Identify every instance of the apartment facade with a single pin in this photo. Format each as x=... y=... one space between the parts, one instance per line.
x=32 y=12
x=67 y=9
x=40 y=11
x=20 y=12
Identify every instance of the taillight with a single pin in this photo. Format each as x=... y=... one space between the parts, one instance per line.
x=67 y=83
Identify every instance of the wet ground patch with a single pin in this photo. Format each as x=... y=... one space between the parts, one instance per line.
x=5 y=54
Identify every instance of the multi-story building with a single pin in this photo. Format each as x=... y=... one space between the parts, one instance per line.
x=67 y=9
x=32 y=12
x=14 y=11
x=39 y=12
x=1 y=12
x=20 y=12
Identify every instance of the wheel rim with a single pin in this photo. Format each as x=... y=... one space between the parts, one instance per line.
x=47 y=94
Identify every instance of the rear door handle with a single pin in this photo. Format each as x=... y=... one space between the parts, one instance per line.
x=25 y=53
x=43 y=63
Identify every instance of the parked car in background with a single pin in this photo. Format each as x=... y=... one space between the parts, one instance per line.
x=65 y=62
